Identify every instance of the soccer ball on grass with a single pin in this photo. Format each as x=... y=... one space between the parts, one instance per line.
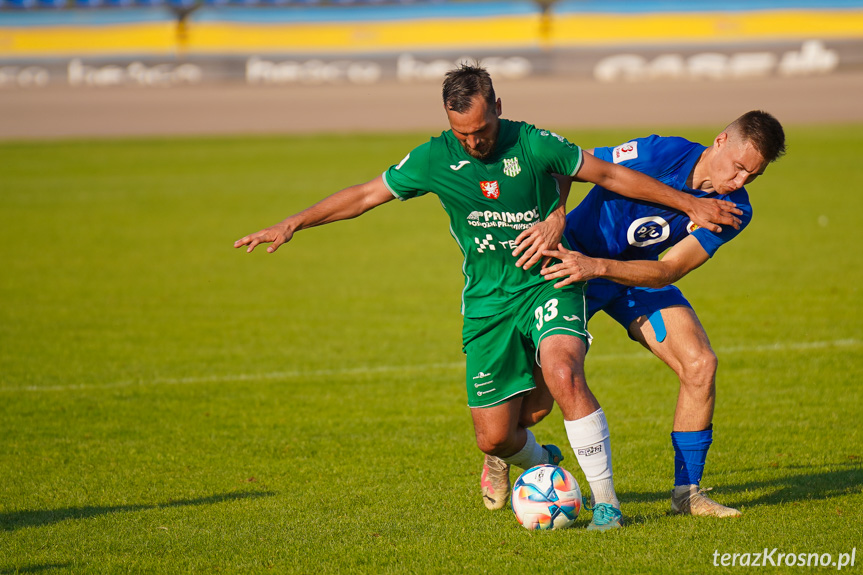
x=546 y=497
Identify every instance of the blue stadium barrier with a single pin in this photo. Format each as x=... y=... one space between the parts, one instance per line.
x=19 y=4
x=253 y=3
x=287 y=3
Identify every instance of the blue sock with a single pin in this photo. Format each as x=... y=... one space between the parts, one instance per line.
x=690 y=454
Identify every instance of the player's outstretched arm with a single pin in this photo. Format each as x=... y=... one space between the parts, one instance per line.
x=343 y=205
x=677 y=262
x=708 y=213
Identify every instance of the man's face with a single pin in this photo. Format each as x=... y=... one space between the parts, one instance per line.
x=477 y=129
x=735 y=163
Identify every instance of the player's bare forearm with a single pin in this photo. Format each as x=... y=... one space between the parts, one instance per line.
x=643 y=273
x=708 y=213
x=574 y=266
x=343 y=205
x=564 y=185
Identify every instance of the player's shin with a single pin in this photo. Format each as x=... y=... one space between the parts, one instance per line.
x=591 y=442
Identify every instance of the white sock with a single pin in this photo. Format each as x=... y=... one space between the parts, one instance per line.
x=591 y=443
x=531 y=454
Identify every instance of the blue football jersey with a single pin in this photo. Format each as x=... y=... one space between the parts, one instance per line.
x=608 y=225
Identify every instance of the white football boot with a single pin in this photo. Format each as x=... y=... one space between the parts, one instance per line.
x=691 y=500
x=495 y=482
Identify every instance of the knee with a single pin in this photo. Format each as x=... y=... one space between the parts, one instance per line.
x=699 y=370
x=565 y=377
x=495 y=442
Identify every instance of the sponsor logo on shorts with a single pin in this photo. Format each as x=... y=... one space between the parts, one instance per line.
x=571 y=318
x=623 y=152
x=491 y=190
x=592 y=450
x=484 y=392
x=647 y=231
x=511 y=167
x=482 y=375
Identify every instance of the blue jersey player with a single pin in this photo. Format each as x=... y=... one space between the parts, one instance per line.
x=618 y=244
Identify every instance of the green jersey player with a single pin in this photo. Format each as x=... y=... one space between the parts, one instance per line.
x=495 y=180
x=487 y=204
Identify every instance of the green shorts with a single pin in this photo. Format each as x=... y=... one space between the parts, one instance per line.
x=502 y=349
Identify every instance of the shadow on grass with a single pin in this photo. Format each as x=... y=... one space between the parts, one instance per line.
x=20 y=519
x=791 y=484
x=34 y=568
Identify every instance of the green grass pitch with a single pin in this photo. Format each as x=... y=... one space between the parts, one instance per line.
x=170 y=404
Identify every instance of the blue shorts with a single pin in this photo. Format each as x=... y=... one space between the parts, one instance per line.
x=625 y=304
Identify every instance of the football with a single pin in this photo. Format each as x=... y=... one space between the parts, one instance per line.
x=546 y=497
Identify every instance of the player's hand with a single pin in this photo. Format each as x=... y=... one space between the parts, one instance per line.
x=573 y=267
x=712 y=214
x=531 y=242
x=275 y=235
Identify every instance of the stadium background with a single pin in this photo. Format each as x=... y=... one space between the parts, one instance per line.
x=118 y=67
x=153 y=421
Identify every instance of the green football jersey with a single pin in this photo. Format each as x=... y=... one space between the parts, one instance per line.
x=490 y=202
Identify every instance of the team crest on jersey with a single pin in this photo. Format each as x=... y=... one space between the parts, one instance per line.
x=691 y=227
x=490 y=190
x=623 y=152
x=511 y=167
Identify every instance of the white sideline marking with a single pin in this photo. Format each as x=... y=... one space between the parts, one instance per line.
x=365 y=370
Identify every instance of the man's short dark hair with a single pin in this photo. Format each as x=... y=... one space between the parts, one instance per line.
x=461 y=86
x=763 y=131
